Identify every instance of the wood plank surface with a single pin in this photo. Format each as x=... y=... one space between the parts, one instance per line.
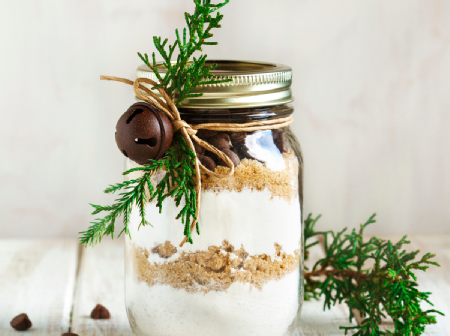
x=102 y=270
x=101 y=280
x=102 y=273
x=37 y=278
x=315 y=321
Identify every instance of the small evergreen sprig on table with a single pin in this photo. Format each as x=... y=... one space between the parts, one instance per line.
x=178 y=182
x=185 y=74
x=388 y=288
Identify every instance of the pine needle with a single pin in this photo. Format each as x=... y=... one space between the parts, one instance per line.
x=178 y=183
x=388 y=288
x=181 y=78
x=187 y=72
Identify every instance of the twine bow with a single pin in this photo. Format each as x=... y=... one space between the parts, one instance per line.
x=189 y=131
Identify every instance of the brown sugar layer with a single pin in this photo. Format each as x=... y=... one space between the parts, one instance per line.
x=250 y=174
x=255 y=176
x=165 y=250
x=215 y=269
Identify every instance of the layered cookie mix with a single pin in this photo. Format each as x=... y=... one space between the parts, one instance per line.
x=243 y=268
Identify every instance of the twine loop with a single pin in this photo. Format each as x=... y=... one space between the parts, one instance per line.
x=168 y=107
x=178 y=124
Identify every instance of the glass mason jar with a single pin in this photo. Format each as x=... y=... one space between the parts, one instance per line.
x=243 y=275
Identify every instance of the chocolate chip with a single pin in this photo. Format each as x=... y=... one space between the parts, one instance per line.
x=212 y=155
x=280 y=140
x=233 y=157
x=199 y=149
x=244 y=153
x=238 y=138
x=69 y=334
x=276 y=133
x=205 y=134
x=21 y=322
x=238 y=149
x=207 y=162
x=221 y=141
x=100 y=313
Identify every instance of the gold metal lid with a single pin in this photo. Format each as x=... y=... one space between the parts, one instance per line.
x=254 y=84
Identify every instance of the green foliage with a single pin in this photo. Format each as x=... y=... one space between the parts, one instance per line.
x=179 y=162
x=178 y=183
x=185 y=74
x=387 y=288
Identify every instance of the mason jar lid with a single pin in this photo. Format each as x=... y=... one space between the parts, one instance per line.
x=253 y=84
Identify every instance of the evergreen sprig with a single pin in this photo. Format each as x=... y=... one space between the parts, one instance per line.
x=179 y=162
x=388 y=288
x=178 y=183
x=187 y=72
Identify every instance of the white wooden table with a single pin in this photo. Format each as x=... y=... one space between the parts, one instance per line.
x=57 y=283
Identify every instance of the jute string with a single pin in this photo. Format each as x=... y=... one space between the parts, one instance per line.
x=189 y=132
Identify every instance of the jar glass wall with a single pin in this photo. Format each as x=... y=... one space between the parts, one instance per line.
x=243 y=274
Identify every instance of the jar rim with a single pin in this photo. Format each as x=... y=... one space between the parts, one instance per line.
x=253 y=84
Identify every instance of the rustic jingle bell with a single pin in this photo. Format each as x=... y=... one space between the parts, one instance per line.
x=143 y=132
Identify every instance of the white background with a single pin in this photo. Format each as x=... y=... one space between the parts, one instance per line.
x=371 y=81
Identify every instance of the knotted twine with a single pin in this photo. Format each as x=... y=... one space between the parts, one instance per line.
x=189 y=131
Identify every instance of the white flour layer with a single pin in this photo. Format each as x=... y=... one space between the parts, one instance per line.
x=250 y=219
x=240 y=311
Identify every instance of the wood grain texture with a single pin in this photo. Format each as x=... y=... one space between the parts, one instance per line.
x=101 y=280
x=37 y=278
x=102 y=273
x=102 y=268
x=315 y=320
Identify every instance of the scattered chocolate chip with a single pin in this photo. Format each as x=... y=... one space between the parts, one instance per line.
x=221 y=141
x=233 y=157
x=205 y=134
x=207 y=162
x=69 y=334
x=21 y=322
x=238 y=138
x=198 y=149
x=100 y=313
x=280 y=140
